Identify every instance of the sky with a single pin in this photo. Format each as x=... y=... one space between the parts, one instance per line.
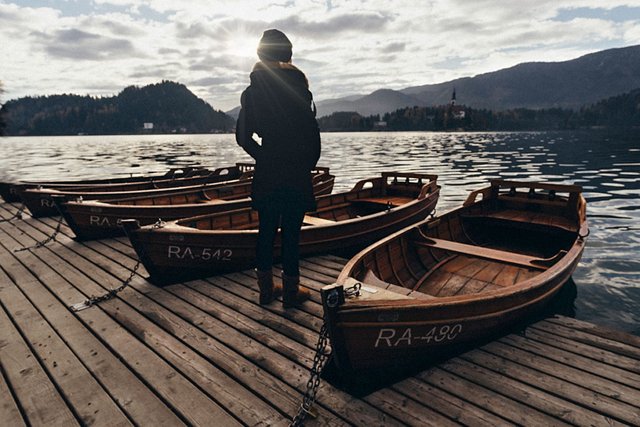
x=99 y=47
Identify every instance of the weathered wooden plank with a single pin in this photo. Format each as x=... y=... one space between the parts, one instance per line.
x=233 y=283
x=90 y=402
x=219 y=319
x=262 y=358
x=226 y=391
x=161 y=318
x=218 y=302
x=607 y=358
x=327 y=262
x=133 y=396
x=407 y=410
x=329 y=274
x=38 y=397
x=9 y=408
x=489 y=400
x=482 y=369
x=578 y=386
x=188 y=400
x=574 y=360
x=609 y=344
x=258 y=344
x=597 y=330
x=311 y=307
x=452 y=406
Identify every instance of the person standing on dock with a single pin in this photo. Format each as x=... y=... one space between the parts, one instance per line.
x=278 y=108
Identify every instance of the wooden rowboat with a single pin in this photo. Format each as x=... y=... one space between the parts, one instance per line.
x=40 y=203
x=10 y=191
x=465 y=276
x=98 y=219
x=202 y=246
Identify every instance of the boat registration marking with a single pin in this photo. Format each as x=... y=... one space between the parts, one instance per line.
x=392 y=337
x=103 y=221
x=205 y=254
x=47 y=203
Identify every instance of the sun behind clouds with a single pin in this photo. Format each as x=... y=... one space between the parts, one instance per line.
x=243 y=45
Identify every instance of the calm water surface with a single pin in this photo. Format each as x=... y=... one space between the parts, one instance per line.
x=608 y=168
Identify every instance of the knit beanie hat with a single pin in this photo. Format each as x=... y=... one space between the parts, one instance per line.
x=274 y=46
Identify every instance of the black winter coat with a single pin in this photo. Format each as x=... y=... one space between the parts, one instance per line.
x=277 y=106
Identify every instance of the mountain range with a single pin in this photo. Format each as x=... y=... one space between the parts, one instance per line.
x=568 y=84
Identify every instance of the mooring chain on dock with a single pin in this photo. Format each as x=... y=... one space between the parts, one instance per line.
x=45 y=241
x=93 y=300
x=17 y=215
x=319 y=361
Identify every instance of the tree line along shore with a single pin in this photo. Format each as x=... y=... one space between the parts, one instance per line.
x=169 y=107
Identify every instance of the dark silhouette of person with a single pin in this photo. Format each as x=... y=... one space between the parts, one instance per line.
x=278 y=107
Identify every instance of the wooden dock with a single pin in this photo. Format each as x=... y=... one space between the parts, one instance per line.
x=205 y=353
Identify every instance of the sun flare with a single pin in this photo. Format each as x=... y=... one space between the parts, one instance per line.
x=243 y=46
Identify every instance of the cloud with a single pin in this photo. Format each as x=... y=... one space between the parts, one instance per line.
x=213 y=81
x=83 y=45
x=344 y=46
x=393 y=47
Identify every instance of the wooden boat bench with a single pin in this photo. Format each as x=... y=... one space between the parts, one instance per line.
x=392 y=201
x=523 y=218
x=314 y=220
x=371 y=279
x=490 y=254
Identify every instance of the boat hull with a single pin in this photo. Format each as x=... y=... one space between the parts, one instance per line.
x=10 y=192
x=96 y=220
x=40 y=202
x=430 y=289
x=173 y=252
x=396 y=337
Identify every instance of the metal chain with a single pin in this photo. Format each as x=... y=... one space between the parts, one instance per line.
x=17 y=215
x=353 y=291
x=93 y=300
x=45 y=241
x=319 y=361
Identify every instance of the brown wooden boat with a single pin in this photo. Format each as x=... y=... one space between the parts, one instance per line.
x=464 y=276
x=98 y=219
x=40 y=203
x=10 y=191
x=207 y=245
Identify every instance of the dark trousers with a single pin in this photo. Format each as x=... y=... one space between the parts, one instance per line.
x=289 y=218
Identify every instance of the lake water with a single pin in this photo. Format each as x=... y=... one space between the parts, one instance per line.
x=607 y=166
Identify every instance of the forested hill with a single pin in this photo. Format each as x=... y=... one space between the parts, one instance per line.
x=170 y=107
x=618 y=113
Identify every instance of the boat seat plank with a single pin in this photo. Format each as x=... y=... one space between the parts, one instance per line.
x=386 y=200
x=526 y=217
x=488 y=253
x=314 y=220
x=371 y=279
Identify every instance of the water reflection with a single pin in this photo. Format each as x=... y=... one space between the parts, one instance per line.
x=608 y=168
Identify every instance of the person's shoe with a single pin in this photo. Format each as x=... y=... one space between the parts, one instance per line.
x=293 y=295
x=268 y=291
